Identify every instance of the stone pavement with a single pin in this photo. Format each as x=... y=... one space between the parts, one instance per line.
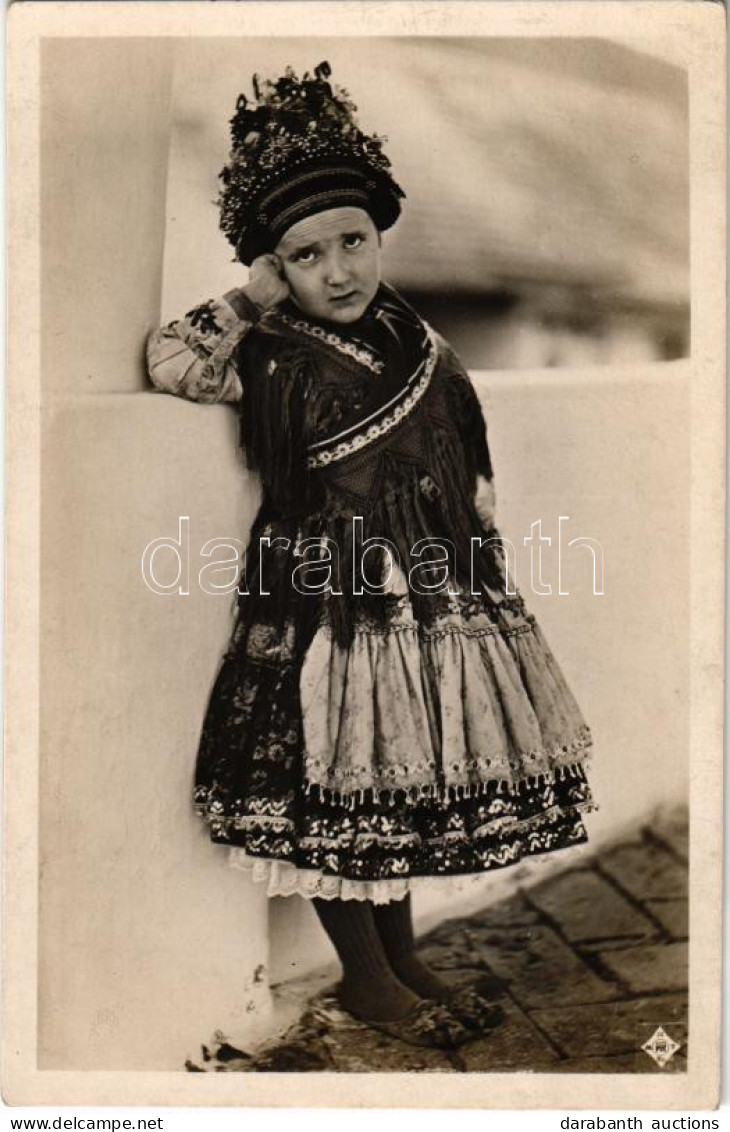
x=587 y=964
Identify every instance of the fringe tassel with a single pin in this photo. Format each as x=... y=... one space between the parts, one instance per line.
x=446 y=792
x=274 y=429
x=467 y=414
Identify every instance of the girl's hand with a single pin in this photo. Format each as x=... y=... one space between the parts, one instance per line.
x=485 y=501
x=266 y=283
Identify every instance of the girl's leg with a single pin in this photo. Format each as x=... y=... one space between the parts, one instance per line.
x=394 y=925
x=369 y=988
x=395 y=928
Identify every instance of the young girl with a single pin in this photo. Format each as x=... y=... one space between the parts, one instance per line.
x=388 y=715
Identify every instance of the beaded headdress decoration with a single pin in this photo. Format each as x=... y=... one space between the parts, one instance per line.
x=297 y=149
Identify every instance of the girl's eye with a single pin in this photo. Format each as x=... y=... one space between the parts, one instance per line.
x=305 y=256
x=353 y=241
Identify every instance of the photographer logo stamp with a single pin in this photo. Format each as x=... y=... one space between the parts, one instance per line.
x=661 y=1047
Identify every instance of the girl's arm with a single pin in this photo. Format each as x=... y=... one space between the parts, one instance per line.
x=193 y=356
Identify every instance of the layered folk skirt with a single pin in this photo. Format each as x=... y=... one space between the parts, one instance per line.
x=419 y=754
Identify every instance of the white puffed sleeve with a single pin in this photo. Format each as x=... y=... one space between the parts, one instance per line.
x=193 y=356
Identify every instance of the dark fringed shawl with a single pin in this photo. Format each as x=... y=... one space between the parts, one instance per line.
x=469 y=420
x=274 y=425
x=422 y=475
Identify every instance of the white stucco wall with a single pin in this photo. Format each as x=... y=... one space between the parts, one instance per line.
x=140 y=925
x=148 y=942
x=105 y=135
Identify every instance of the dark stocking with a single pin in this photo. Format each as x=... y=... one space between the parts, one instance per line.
x=369 y=988
x=395 y=928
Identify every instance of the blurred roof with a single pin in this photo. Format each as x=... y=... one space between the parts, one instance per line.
x=524 y=159
x=543 y=159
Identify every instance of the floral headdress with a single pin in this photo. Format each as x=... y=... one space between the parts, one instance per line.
x=297 y=149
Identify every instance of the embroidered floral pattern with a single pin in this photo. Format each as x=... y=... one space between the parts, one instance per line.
x=203 y=318
x=253 y=792
x=437 y=841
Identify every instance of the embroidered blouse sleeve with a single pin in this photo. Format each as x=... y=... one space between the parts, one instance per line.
x=194 y=356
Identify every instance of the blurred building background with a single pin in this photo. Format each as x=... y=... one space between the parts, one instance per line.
x=546 y=221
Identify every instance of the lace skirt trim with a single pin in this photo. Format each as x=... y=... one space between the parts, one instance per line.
x=282 y=878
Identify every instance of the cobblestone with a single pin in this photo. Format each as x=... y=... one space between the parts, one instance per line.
x=587 y=965
x=539 y=968
x=642 y=969
x=646 y=871
x=671 y=827
x=624 y=1063
x=608 y=1029
x=672 y=915
x=586 y=907
x=514 y=911
x=516 y=1044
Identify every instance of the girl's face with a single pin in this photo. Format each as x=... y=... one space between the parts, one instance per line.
x=331 y=262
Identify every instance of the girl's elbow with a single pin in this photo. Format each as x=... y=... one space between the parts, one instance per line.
x=168 y=361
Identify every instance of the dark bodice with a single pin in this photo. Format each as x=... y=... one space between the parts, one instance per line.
x=379 y=424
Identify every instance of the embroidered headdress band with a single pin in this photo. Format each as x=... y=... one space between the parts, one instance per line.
x=297 y=150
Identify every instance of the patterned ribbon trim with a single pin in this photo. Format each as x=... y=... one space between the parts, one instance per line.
x=384 y=420
x=360 y=354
